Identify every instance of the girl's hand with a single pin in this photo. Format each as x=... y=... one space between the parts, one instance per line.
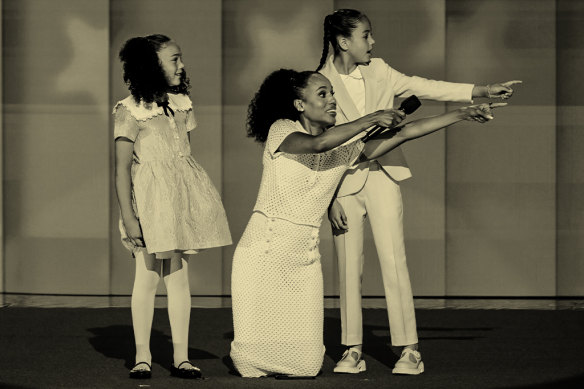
x=480 y=113
x=389 y=117
x=501 y=90
x=134 y=231
x=337 y=216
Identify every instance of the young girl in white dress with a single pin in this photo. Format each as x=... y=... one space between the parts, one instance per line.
x=169 y=206
x=277 y=289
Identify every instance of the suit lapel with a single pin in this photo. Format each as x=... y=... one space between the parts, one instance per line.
x=344 y=100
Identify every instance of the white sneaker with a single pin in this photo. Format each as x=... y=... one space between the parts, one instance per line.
x=351 y=362
x=409 y=363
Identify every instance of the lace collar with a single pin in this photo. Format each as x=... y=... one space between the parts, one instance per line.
x=177 y=102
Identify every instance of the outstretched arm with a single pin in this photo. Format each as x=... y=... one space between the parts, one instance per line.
x=394 y=137
x=300 y=143
x=500 y=90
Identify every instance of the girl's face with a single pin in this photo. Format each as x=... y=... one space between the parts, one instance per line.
x=360 y=43
x=318 y=104
x=170 y=59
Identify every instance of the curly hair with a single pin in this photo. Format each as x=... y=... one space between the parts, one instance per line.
x=275 y=100
x=342 y=22
x=142 y=70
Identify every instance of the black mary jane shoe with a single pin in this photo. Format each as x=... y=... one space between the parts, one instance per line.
x=141 y=373
x=185 y=373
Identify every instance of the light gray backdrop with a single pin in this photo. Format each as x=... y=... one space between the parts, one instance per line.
x=492 y=210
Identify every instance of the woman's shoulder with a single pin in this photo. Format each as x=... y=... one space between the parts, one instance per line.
x=281 y=128
x=286 y=125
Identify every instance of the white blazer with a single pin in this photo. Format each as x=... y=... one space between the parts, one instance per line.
x=382 y=84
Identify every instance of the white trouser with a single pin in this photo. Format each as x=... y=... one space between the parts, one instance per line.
x=379 y=200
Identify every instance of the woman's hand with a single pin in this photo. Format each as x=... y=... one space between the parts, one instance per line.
x=337 y=216
x=134 y=231
x=389 y=117
x=480 y=113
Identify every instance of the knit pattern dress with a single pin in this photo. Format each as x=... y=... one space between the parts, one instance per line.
x=277 y=285
x=178 y=207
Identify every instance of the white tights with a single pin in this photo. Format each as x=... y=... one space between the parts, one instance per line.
x=176 y=278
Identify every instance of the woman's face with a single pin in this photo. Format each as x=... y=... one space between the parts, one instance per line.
x=318 y=105
x=360 y=43
x=170 y=59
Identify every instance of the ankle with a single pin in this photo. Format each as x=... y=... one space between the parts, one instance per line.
x=143 y=353
x=358 y=347
x=144 y=358
x=180 y=353
x=412 y=347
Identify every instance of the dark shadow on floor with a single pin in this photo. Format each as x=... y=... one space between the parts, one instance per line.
x=117 y=342
x=576 y=382
x=377 y=342
x=227 y=361
x=11 y=386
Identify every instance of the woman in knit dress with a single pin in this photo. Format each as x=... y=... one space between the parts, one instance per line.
x=277 y=282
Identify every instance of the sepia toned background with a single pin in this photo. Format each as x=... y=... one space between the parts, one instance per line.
x=492 y=210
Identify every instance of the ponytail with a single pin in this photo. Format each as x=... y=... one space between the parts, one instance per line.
x=342 y=22
x=325 y=42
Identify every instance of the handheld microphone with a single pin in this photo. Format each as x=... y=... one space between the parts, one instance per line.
x=407 y=106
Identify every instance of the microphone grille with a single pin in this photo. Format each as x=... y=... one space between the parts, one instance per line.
x=410 y=104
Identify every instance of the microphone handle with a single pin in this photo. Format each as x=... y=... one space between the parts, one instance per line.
x=371 y=133
x=376 y=130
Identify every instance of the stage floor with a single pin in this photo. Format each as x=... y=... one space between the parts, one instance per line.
x=461 y=348
x=85 y=301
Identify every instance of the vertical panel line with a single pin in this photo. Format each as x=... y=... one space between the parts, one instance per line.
x=445 y=155
x=2 y=273
x=556 y=259
x=111 y=155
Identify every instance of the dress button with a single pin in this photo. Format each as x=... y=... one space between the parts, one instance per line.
x=180 y=154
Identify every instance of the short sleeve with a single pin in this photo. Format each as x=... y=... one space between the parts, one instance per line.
x=125 y=125
x=279 y=130
x=353 y=152
x=191 y=121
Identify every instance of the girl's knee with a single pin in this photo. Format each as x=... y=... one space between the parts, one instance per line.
x=148 y=284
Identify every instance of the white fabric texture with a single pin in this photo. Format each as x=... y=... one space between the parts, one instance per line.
x=367 y=191
x=382 y=85
x=277 y=299
x=356 y=88
x=299 y=187
x=277 y=287
x=174 y=199
x=380 y=201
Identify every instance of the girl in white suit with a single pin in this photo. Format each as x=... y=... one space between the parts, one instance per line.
x=371 y=189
